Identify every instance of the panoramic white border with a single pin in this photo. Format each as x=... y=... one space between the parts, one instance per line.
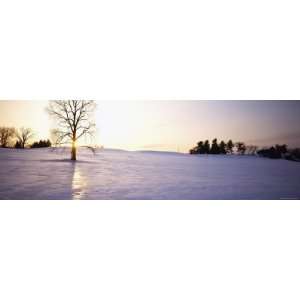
x=164 y=49
x=149 y=249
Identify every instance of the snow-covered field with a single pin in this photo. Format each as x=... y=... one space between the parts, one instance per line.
x=112 y=174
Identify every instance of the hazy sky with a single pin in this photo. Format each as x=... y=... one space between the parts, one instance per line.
x=172 y=125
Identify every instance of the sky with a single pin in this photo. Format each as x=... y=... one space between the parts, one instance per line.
x=171 y=125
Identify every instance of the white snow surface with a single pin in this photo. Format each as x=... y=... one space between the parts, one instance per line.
x=113 y=174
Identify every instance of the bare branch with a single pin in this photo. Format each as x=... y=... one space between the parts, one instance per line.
x=24 y=135
x=73 y=118
x=6 y=135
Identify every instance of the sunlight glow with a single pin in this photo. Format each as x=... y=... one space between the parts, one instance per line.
x=78 y=184
x=170 y=125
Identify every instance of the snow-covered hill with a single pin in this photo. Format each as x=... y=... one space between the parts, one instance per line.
x=44 y=174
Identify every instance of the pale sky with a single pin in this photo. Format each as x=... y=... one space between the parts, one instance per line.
x=172 y=125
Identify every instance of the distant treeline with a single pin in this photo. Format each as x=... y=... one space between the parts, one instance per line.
x=280 y=151
x=41 y=144
x=240 y=148
x=205 y=147
x=11 y=137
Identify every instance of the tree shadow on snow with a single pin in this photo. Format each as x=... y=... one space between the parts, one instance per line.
x=68 y=161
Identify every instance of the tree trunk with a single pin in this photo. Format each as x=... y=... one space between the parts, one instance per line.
x=73 y=151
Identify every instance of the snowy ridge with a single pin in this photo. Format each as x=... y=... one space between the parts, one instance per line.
x=118 y=174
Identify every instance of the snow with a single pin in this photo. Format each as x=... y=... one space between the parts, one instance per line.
x=111 y=174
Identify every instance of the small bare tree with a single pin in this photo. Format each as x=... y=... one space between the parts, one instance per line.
x=23 y=136
x=6 y=134
x=240 y=147
x=74 y=121
x=251 y=150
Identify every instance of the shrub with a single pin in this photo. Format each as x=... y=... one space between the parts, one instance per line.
x=41 y=144
x=274 y=152
x=293 y=155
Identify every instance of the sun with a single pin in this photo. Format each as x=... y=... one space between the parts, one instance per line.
x=74 y=144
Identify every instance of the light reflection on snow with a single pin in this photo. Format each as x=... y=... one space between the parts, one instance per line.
x=78 y=184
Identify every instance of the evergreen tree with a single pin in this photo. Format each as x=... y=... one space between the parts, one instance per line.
x=206 y=147
x=229 y=147
x=200 y=148
x=215 y=147
x=222 y=148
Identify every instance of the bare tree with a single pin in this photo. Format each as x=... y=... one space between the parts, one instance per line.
x=6 y=134
x=74 y=121
x=23 y=136
x=241 y=148
x=251 y=150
